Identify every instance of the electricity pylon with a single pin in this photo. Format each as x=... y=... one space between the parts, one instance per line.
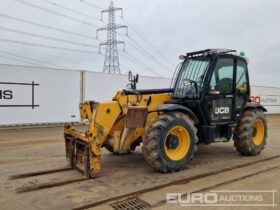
x=111 y=62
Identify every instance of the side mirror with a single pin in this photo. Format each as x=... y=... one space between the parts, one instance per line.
x=136 y=78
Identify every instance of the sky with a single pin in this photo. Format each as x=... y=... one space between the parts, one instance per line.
x=158 y=32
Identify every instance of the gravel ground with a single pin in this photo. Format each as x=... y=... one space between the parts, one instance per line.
x=43 y=148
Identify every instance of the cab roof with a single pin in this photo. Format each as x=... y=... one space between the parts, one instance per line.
x=209 y=52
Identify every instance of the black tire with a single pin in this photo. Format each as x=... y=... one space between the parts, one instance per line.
x=109 y=148
x=246 y=130
x=155 y=139
x=133 y=146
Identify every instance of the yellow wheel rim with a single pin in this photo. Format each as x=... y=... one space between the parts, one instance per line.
x=258 y=132
x=177 y=143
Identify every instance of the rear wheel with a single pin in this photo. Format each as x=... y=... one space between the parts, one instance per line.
x=251 y=132
x=170 y=142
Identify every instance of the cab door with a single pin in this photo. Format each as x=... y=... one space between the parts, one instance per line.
x=220 y=97
x=242 y=90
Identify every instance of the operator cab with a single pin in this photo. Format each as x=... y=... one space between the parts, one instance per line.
x=214 y=84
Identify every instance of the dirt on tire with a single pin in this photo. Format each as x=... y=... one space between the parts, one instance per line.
x=153 y=141
x=243 y=134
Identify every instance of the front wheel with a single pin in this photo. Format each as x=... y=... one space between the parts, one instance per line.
x=251 y=132
x=170 y=142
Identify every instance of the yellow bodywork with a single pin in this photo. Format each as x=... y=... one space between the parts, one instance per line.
x=110 y=123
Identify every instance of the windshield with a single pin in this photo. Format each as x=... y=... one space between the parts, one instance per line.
x=190 y=79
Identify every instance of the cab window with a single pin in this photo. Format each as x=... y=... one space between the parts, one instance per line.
x=222 y=77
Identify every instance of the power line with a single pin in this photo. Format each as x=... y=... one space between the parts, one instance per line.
x=136 y=46
x=90 y=4
x=18 y=56
x=150 y=55
x=139 y=63
x=143 y=39
x=31 y=59
x=125 y=67
x=46 y=26
x=47 y=46
x=68 y=9
x=147 y=54
x=56 y=13
x=143 y=64
x=16 y=59
x=132 y=61
x=46 y=37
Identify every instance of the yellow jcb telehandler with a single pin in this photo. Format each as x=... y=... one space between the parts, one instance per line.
x=209 y=102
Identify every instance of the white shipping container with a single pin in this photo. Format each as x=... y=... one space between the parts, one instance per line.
x=103 y=87
x=57 y=95
x=269 y=97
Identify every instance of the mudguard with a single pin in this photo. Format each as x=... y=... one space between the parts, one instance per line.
x=177 y=107
x=255 y=105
